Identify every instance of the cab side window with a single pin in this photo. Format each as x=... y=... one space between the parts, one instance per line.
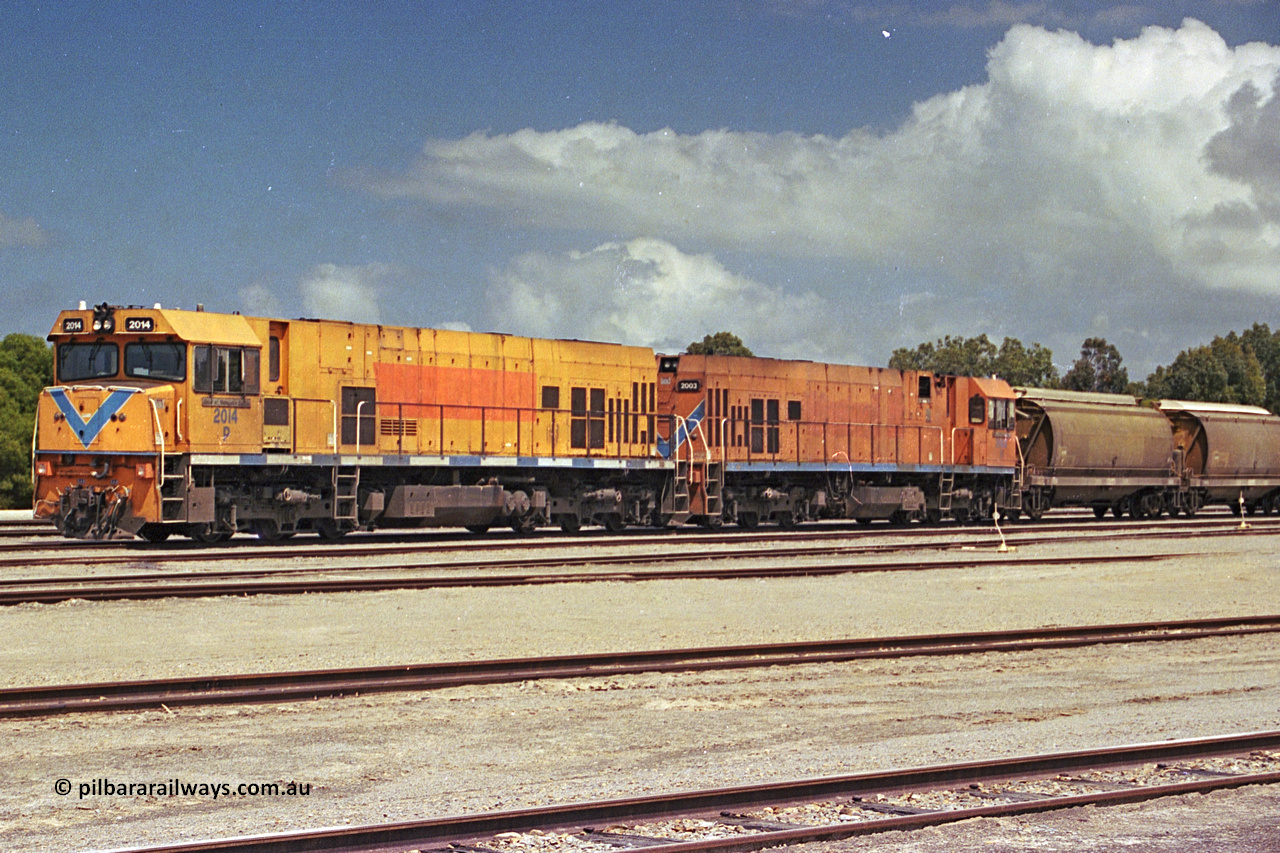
x=227 y=370
x=977 y=409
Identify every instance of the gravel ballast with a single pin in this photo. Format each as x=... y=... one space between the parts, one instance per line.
x=405 y=756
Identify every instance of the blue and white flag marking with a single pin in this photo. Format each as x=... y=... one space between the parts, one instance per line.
x=88 y=430
x=685 y=429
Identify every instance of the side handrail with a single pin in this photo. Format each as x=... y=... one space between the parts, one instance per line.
x=159 y=439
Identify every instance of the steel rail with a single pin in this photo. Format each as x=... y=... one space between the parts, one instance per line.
x=187 y=586
x=470 y=830
x=395 y=543
x=489 y=562
x=313 y=684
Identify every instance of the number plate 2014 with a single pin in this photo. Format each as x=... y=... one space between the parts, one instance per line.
x=139 y=324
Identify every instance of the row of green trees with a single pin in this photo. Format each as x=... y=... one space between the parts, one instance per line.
x=26 y=366
x=1241 y=368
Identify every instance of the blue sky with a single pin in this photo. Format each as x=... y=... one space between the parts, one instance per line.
x=828 y=179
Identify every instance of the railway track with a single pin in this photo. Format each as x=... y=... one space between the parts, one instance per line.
x=313 y=684
x=286 y=581
x=134 y=550
x=576 y=552
x=757 y=817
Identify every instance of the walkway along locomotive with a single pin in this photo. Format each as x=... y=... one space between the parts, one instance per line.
x=167 y=421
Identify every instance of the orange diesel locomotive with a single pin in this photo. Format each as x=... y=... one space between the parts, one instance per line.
x=767 y=439
x=166 y=421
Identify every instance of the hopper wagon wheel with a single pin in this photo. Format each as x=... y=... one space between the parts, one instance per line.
x=1100 y=511
x=1151 y=505
x=478 y=528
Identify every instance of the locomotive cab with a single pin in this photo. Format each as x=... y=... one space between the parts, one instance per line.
x=113 y=431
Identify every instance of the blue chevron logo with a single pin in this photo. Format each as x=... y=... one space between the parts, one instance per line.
x=88 y=430
x=684 y=430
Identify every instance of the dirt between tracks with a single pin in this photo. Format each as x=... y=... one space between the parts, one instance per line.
x=405 y=756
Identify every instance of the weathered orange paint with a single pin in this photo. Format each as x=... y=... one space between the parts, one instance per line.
x=465 y=391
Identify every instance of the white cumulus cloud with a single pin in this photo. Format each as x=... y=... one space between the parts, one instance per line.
x=647 y=292
x=337 y=292
x=1140 y=173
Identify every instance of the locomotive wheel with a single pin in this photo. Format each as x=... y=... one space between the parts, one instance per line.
x=569 y=522
x=524 y=524
x=613 y=522
x=208 y=535
x=328 y=529
x=786 y=520
x=154 y=533
x=659 y=521
x=268 y=530
x=748 y=520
